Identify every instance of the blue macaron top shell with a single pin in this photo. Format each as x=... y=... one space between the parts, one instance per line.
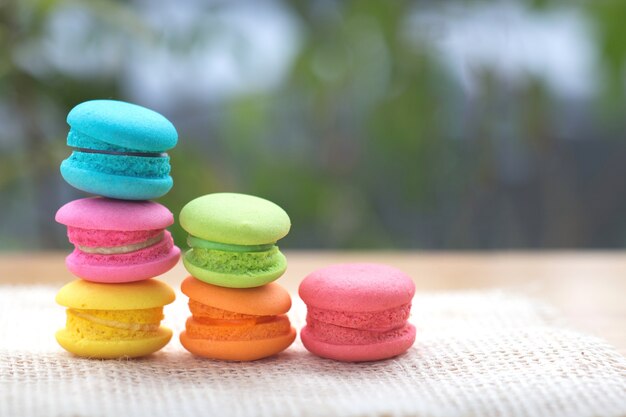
x=123 y=125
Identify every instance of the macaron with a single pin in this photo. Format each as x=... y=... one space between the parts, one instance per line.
x=118 y=241
x=232 y=239
x=357 y=312
x=119 y=150
x=114 y=320
x=236 y=324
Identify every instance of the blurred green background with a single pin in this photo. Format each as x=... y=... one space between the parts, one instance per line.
x=375 y=124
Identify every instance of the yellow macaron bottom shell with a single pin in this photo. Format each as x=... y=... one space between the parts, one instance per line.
x=114 y=349
x=113 y=333
x=238 y=350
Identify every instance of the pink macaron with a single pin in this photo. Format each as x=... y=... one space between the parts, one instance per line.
x=357 y=312
x=117 y=240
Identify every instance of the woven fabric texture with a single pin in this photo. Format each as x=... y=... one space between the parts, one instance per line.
x=477 y=354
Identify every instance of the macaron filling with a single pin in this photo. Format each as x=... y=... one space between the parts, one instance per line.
x=122 y=164
x=128 y=153
x=117 y=255
x=113 y=324
x=216 y=324
x=110 y=242
x=371 y=320
x=93 y=155
x=196 y=242
x=235 y=262
x=124 y=248
x=202 y=311
x=339 y=335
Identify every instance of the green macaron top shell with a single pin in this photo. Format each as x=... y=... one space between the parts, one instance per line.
x=237 y=219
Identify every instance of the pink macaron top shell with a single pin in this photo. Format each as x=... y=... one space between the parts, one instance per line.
x=357 y=287
x=99 y=213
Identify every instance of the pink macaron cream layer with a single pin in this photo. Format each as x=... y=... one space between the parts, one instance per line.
x=118 y=241
x=110 y=238
x=376 y=320
x=124 y=254
x=357 y=312
x=339 y=335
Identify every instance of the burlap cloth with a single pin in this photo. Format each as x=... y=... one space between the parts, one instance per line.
x=477 y=354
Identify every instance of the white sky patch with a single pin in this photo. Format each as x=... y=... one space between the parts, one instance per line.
x=78 y=44
x=184 y=50
x=238 y=48
x=192 y=52
x=514 y=42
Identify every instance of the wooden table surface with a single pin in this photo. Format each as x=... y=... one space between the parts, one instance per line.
x=588 y=287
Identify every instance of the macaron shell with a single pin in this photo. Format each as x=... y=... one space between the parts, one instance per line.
x=268 y=300
x=232 y=218
x=123 y=124
x=249 y=280
x=124 y=272
x=237 y=350
x=357 y=287
x=115 y=186
x=145 y=294
x=97 y=213
x=359 y=353
x=112 y=349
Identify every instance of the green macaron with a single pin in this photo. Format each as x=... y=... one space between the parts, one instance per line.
x=232 y=239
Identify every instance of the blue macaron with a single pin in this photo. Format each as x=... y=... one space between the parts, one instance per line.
x=119 y=150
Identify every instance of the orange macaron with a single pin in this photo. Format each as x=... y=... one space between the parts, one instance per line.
x=242 y=324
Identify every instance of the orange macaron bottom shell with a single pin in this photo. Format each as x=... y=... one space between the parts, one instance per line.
x=383 y=349
x=226 y=335
x=238 y=350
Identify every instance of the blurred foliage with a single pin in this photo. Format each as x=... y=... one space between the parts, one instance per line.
x=368 y=141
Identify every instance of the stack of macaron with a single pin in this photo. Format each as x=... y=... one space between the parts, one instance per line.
x=238 y=312
x=121 y=243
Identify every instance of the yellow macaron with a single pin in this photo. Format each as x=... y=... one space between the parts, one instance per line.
x=114 y=320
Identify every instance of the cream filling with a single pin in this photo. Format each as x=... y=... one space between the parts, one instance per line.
x=112 y=250
x=129 y=153
x=146 y=327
